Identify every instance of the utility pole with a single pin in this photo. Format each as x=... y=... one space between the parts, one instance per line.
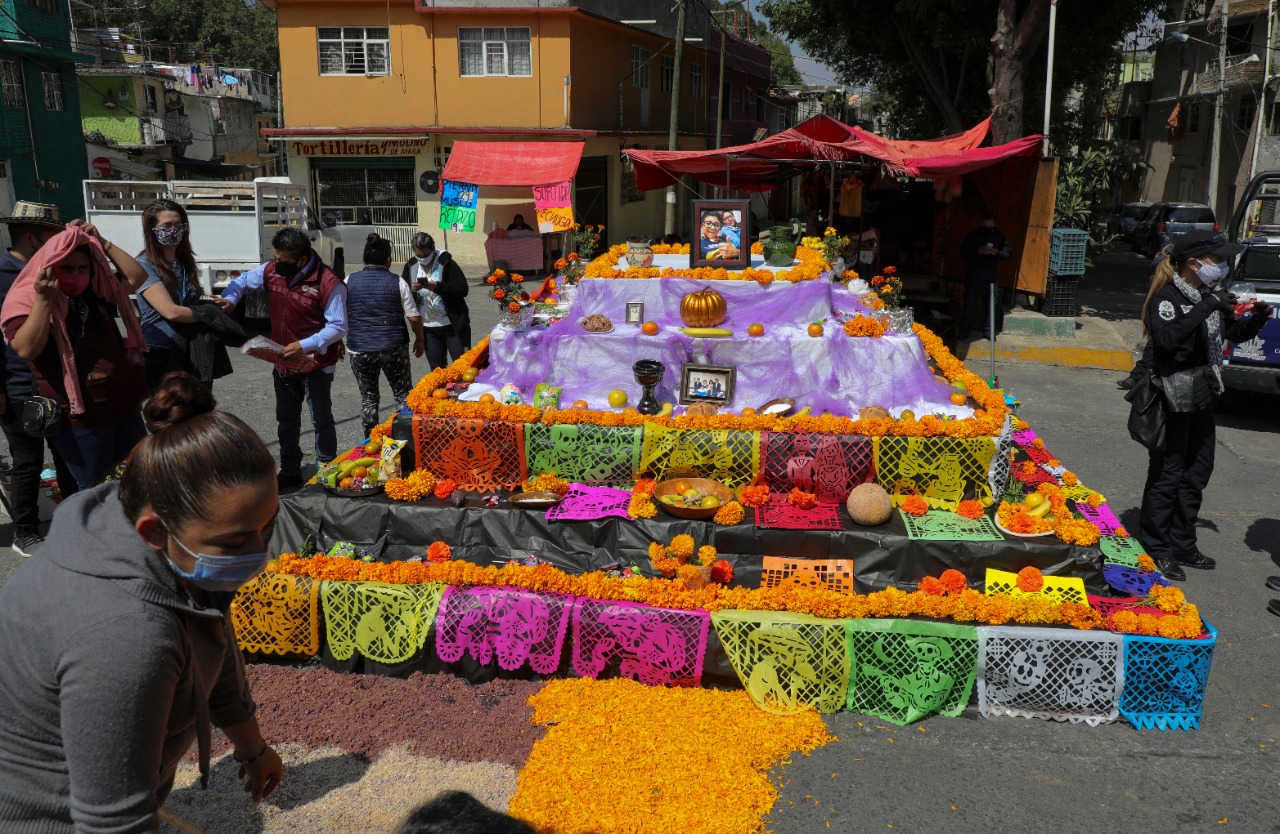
x=1048 y=83
x=720 y=76
x=673 y=125
x=1215 y=150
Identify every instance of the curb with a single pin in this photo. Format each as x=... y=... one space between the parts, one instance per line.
x=1071 y=357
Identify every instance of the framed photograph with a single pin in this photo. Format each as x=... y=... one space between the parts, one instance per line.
x=635 y=312
x=721 y=234
x=706 y=384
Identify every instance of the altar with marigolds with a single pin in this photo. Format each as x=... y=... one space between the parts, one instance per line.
x=862 y=524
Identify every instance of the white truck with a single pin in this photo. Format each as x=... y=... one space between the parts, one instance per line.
x=232 y=224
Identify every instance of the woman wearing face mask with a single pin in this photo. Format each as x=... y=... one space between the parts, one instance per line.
x=61 y=316
x=171 y=282
x=441 y=290
x=1188 y=314
x=118 y=645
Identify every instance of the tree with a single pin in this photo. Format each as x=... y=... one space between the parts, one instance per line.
x=782 y=67
x=965 y=58
x=240 y=33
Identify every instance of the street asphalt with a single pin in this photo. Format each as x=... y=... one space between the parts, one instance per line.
x=968 y=774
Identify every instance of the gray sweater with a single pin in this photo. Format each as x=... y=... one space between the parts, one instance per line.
x=110 y=672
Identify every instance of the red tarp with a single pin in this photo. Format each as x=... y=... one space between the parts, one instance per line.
x=513 y=163
x=761 y=165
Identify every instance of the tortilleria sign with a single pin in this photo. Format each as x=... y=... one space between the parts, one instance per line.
x=359 y=147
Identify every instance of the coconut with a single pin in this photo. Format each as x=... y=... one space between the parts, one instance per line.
x=874 y=412
x=869 y=505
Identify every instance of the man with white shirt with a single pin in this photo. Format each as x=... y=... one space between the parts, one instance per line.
x=308 y=304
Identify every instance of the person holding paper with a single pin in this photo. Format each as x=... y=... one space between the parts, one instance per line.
x=308 y=304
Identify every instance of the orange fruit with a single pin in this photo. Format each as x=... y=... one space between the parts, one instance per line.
x=440 y=394
x=630 y=412
x=748 y=412
x=959 y=399
x=581 y=405
x=815 y=330
x=360 y=472
x=487 y=398
x=346 y=483
x=649 y=328
x=756 y=329
x=682 y=487
x=469 y=375
x=907 y=414
x=978 y=412
x=617 y=398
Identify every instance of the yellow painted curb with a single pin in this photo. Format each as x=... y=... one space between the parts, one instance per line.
x=1072 y=357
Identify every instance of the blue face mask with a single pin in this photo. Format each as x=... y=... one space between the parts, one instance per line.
x=1210 y=274
x=220 y=573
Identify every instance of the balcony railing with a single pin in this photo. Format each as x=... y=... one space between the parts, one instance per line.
x=165 y=130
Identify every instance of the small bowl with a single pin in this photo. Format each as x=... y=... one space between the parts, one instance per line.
x=779 y=407
x=706 y=485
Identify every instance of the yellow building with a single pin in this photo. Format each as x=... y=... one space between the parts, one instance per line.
x=376 y=93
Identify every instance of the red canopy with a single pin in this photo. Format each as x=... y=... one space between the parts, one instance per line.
x=513 y=163
x=819 y=141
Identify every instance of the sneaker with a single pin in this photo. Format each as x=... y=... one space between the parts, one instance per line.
x=284 y=481
x=1274 y=607
x=1196 y=560
x=1171 y=570
x=25 y=544
x=1273 y=582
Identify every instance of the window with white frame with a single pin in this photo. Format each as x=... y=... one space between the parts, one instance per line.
x=354 y=50
x=639 y=67
x=11 y=79
x=53 y=91
x=668 y=73
x=695 y=81
x=494 y=51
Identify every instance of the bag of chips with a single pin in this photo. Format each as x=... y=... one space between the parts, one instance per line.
x=391 y=458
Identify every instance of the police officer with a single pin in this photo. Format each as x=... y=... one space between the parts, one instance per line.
x=1188 y=314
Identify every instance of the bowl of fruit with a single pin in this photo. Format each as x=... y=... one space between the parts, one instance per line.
x=353 y=477
x=1028 y=519
x=692 y=497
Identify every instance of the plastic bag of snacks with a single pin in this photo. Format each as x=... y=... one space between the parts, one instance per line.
x=343 y=550
x=547 y=396
x=391 y=458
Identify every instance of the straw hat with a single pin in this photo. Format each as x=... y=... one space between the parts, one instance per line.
x=35 y=214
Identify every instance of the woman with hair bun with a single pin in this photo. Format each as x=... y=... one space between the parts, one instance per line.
x=377 y=305
x=117 y=644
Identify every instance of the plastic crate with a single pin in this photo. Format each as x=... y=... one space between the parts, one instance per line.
x=1060 y=296
x=1066 y=254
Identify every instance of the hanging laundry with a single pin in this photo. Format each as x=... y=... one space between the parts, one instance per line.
x=230 y=80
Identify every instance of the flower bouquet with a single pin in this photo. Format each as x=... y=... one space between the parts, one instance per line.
x=586 y=239
x=888 y=289
x=515 y=310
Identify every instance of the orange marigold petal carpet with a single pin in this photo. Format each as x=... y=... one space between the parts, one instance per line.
x=619 y=756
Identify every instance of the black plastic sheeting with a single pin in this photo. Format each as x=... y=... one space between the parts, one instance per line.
x=882 y=556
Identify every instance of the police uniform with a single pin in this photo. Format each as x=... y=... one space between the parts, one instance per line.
x=1178 y=474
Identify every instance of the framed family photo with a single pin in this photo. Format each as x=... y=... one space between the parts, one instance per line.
x=706 y=384
x=721 y=234
x=635 y=312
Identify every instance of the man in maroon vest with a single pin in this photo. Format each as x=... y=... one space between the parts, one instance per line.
x=308 y=304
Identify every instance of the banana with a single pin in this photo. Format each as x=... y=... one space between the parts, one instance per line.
x=1040 y=511
x=667 y=408
x=706 y=332
x=345 y=469
x=804 y=412
x=366 y=461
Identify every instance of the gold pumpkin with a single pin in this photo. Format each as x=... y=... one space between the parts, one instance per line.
x=703 y=308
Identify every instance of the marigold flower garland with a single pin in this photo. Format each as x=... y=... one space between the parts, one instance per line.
x=811 y=266
x=546 y=482
x=413 y=487
x=958 y=602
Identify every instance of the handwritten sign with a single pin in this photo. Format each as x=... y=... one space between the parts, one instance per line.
x=458 y=205
x=554 y=204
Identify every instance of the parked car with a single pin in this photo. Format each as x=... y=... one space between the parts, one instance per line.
x=1166 y=222
x=1255 y=365
x=1125 y=219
